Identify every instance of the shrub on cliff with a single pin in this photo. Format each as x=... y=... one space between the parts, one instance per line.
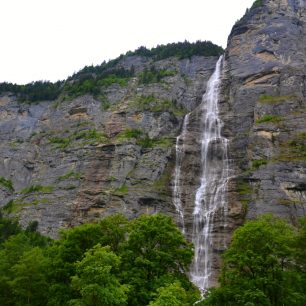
x=256 y=4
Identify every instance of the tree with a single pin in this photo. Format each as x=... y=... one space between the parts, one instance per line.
x=29 y=284
x=171 y=295
x=258 y=267
x=96 y=279
x=15 y=255
x=71 y=247
x=114 y=229
x=155 y=254
x=8 y=228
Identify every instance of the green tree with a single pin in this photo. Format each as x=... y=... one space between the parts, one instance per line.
x=8 y=227
x=114 y=230
x=96 y=279
x=13 y=255
x=258 y=268
x=171 y=295
x=71 y=247
x=63 y=255
x=156 y=253
x=29 y=284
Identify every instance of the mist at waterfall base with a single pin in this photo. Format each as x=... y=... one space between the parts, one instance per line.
x=210 y=196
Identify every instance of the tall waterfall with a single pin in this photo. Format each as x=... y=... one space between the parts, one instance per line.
x=180 y=152
x=210 y=198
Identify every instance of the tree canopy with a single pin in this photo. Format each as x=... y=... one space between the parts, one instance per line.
x=145 y=262
x=112 y=262
x=264 y=265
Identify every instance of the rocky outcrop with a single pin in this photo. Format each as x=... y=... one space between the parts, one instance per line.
x=263 y=104
x=75 y=161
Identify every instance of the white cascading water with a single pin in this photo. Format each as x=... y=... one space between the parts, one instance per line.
x=180 y=152
x=211 y=195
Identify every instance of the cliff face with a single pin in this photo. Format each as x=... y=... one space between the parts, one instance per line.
x=75 y=161
x=264 y=109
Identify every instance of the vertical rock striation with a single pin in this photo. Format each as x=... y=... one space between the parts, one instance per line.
x=78 y=160
x=263 y=103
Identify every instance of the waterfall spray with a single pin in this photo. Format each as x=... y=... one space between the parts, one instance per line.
x=210 y=198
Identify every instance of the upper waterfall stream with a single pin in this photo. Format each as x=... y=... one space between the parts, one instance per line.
x=210 y=198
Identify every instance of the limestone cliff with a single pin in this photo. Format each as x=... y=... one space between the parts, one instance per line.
x=264 y=109
x=73 y=161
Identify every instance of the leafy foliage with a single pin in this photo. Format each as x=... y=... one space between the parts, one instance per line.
x=35 y=91
x=113 y=262
x=154 y=76
x=143 y=262
x=171 y=295
x=6 y=183
x=37 y=188
x=94 y=79
x=181 y=50
x=96 y=279
x=155 y=255
x=8 y=228
x=256 y=4
x=269 y=118
x=261 y=266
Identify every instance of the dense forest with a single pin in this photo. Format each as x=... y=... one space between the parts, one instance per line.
x=145 y=261
x=91 y=79
x=113 y=262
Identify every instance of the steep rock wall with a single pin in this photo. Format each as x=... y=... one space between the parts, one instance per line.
x=75 y=161
x=264 y=109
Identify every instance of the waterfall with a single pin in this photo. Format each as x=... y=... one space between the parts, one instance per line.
x=211 y=195
x=210 y=199
x=180 y=152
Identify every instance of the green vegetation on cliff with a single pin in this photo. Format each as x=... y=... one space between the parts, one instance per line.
x=37 y=188
x=267 y=99
x=35 y=91
x=94 y=79
x=257 y=3
x=154 y=76
x=181 y=50
x=86 y=137
x=269 y=118
x=154 y=104
x=293 y=149
x=7 y=184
